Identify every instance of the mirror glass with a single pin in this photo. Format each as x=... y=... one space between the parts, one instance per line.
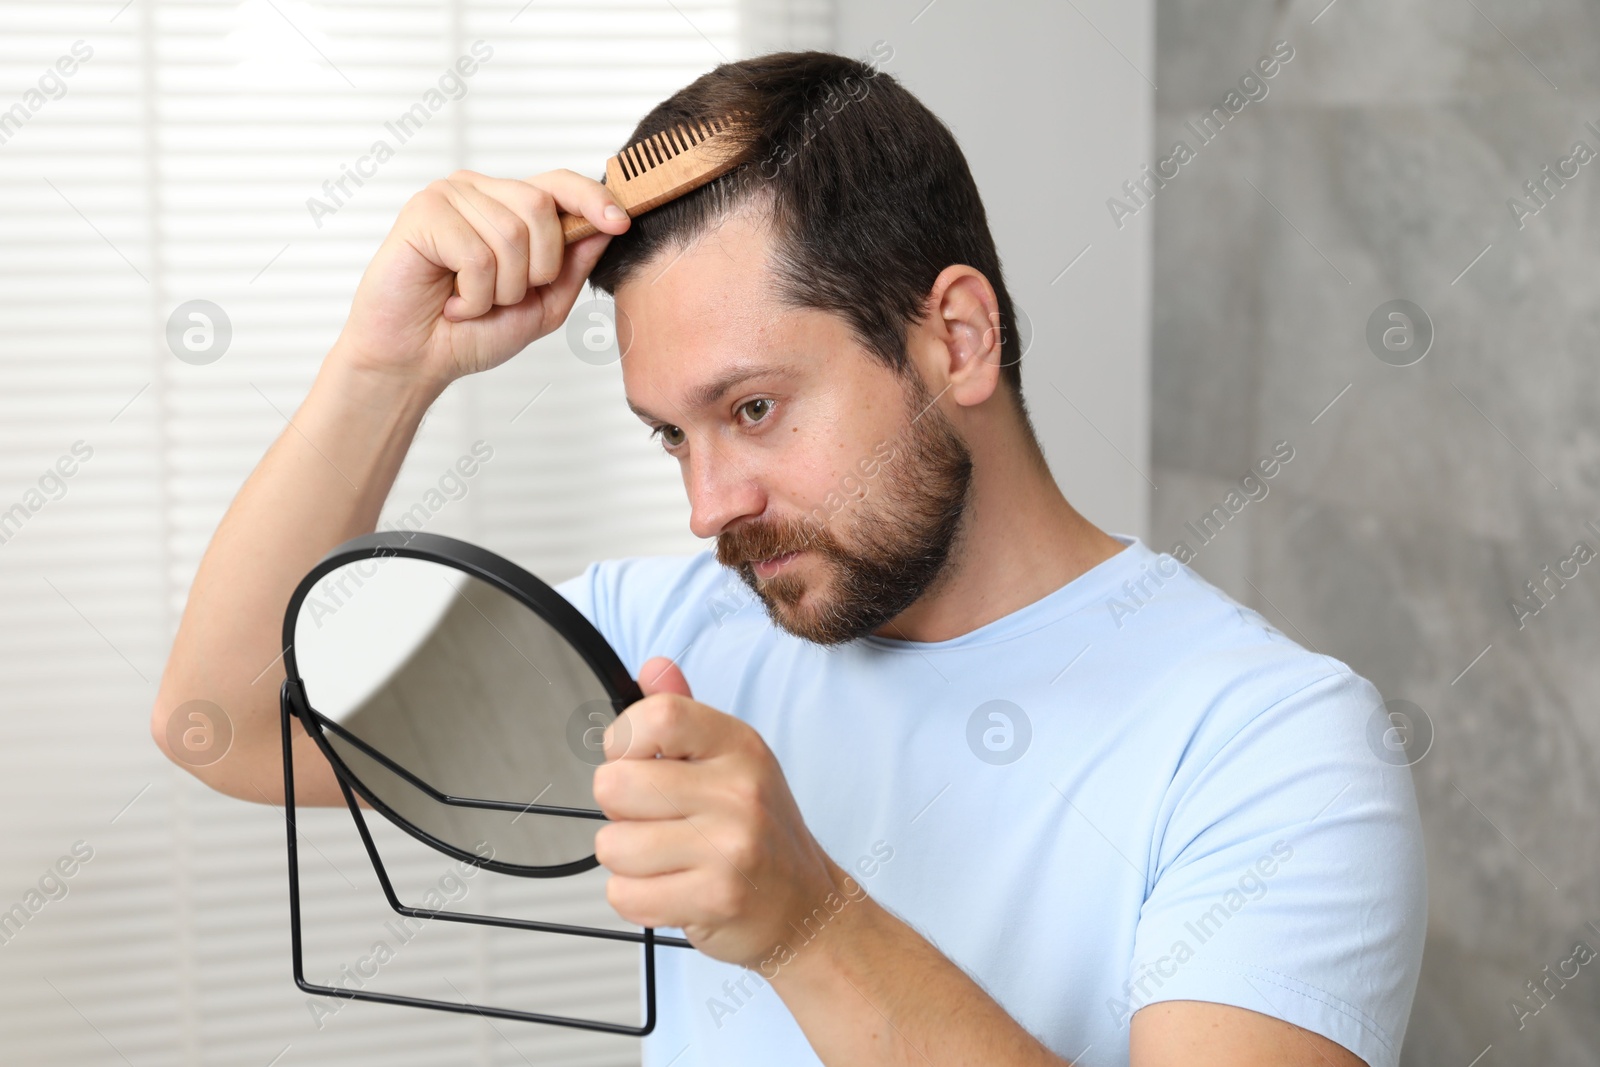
x=468 y=689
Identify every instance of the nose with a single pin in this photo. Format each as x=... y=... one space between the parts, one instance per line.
x=719 y=492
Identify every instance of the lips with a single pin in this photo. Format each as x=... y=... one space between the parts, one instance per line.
x=766 y=568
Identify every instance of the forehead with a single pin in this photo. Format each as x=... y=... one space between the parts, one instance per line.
x=696 y=313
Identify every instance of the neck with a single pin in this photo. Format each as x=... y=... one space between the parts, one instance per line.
x=1020 y=541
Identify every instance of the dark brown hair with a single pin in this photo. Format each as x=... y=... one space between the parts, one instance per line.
x=869 y=194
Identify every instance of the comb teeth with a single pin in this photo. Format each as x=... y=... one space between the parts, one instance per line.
x=656 y=149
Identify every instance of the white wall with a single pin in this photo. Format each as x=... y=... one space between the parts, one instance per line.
x=1053 y=117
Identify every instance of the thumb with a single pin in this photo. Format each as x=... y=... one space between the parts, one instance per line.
x=561 y=293
x=660 y=675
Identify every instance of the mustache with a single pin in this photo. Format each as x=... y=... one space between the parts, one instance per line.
x=747 y=544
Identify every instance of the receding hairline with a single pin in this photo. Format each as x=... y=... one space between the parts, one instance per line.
x=730 y=197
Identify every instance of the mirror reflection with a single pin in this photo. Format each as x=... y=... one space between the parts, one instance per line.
x=468 y=689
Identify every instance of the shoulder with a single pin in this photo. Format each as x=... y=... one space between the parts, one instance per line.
x=1262 y=732
x=1236 y=671
x=635 y=600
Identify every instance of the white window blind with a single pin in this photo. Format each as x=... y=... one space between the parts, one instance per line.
x=154 y=153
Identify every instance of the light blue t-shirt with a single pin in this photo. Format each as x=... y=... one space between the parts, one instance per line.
x=1131 y=790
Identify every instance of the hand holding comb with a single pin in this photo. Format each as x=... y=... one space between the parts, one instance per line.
x=663 y=167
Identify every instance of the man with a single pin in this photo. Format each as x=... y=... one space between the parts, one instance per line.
x=962 y=778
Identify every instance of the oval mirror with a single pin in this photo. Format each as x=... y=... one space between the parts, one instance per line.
x=458 y=695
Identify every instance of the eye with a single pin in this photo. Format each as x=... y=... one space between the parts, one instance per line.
x=750 y=404
x=671 y=436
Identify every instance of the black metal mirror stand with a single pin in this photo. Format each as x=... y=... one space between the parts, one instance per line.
x=292 y=704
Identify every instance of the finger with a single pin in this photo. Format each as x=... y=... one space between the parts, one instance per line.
x=661 y=789
x=501 y=228
x=559 y=296
x=578 y=195
x=672 y=726
x=545 y=307
x=646 y=849
x=449 y=241
x=536 y=210
x=660 y=675
x=661 y=900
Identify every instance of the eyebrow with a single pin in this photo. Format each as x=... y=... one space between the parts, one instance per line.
x=710 y=392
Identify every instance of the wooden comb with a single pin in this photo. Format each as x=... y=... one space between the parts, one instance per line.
x=663 y=167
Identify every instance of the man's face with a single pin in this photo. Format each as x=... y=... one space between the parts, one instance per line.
x=835 y=487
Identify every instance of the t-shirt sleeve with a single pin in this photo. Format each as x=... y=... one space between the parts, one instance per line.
x=592 y=591
x=1290 y=876
x=579 y=591
x=641 y=603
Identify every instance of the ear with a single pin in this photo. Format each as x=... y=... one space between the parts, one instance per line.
x=965 y=335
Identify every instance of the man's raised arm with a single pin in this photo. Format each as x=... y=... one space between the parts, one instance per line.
x=473 y=272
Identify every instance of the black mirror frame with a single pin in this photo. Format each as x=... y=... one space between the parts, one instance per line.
x=293 y=704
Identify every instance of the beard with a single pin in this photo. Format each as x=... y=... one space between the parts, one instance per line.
x=902 y=532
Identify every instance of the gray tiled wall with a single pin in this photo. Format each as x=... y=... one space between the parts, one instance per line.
x=1418 y=504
